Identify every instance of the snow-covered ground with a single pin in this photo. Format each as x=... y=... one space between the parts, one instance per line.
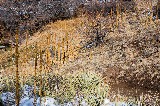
x=27 y=99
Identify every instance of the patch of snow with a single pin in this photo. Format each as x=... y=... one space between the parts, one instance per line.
x=84 y=103
x=8 y=98
x=27 y=99
x=108 y=103
x=24 y=100
x=29 y=102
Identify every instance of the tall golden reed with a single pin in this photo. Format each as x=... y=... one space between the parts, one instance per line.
x=17 y=71
x=40 y=74
x=117 y=16
x=35 y=74
x=63 y=51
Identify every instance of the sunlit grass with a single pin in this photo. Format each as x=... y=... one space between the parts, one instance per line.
x=38 y=61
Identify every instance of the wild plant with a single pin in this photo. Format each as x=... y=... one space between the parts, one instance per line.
x=17 y=70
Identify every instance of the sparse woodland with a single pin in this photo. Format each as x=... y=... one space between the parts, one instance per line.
x=79 y=52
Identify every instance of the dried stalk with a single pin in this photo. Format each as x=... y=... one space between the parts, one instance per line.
x=67 y=47
x=59 y=54
x=90 y=54
x=40 y=91
x=117 y=17
x=26 y=47
x=63 y=51
x=111 y=12
x=17 y=71
x=151 y=15
x=48 y=54
x=35 y=75
x=55 y=46
x=71 y=57
x=157 y=10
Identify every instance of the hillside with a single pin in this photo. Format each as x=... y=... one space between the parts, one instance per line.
x=122 y=49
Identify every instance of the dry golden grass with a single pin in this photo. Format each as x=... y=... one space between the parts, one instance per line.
x=61 y=36
x=113 y=59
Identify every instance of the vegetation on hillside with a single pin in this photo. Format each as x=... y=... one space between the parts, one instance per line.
x=83 y=55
